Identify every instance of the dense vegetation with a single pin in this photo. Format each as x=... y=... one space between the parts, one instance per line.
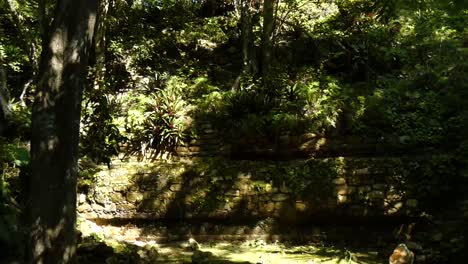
x=388 y=71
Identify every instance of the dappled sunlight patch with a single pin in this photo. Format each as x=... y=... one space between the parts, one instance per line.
x=276 y=253
x=166 y=246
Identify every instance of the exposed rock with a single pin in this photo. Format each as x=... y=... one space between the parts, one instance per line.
x=339 y=181
x=134 y=197
x=342 y=190
x=81 y=198
x=84 y=208
x=151 y=189
x=233 y=193
x=125 y=206
x=395 y=208
x=88 y=227
x=116 y=197
x=97 y=207
x=279 y=197
x=342 y=198
x=402 y=255
x=301 y=206
x=110 y=207
x=175 y=187
x=361 y=171
x=268 y=207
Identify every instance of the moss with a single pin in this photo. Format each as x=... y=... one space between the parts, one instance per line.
x=207 y=185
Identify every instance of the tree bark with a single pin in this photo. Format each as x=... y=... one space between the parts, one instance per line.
x=4 y=99
x=100 y=43
x=248 y=47
x=51 y=206
x=267 y=38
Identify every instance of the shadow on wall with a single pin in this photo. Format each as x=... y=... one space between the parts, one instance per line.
x=221 y=189
x=236 y=200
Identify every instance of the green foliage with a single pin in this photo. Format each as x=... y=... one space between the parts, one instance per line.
x=201 y=87
x=397 y=110
x=155 y=123
x=13 y=157
x=13 y=154
x=324 y=102
x=19 y=121
x=247 y=102
x=426 y=180
x=100 y=136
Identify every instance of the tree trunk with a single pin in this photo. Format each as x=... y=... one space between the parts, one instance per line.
x=100 y=43
x=267 y=38
x=248 y=47
x=51 y=205
x=4 y=99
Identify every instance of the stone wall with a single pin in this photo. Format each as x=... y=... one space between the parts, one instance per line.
x=208 y=141
x=291 y=191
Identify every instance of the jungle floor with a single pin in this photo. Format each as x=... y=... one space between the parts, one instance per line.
x=177 y=242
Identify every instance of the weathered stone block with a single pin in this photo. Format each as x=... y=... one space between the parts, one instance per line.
x=167 y=195
x=125 y=207
x=175 y=187
x=268 y=188
x=361 y=171
x=268 y=207
x=244 y=187
x=116 y=197
x=342 y=198
x=85 y=207
x=301 y=206
x=233 y=193
x=97 y=207
x=341 y=190
x=394 y=208
x=110 y=207
x=175 y=179
x=100 y=195
x=195 y=149
x=339 y=181
x=120 y=188
x=134 y=197
x=81 y=198
x=279 y=197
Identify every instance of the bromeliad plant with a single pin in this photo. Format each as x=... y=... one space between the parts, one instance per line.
x=155 y=123
x=165 y=119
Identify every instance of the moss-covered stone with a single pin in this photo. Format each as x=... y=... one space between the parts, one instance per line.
x=222 y=188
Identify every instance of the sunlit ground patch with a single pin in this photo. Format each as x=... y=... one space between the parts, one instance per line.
x=277 y=253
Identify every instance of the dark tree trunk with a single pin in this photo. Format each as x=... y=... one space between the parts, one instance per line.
x=100 y=43
x=248 y=47
x=267 y=38
x=51 y=205
x=4 y=99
